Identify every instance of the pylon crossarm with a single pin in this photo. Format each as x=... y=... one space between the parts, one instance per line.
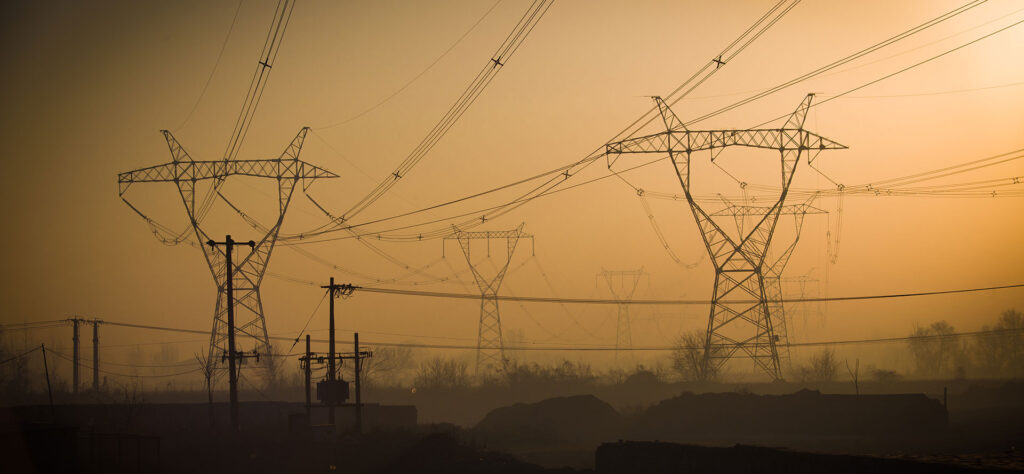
x=219 y=169
x=692 y=141
x=745 y=210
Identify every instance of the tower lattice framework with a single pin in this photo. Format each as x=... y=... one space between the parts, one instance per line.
x=740 y=316
x=185 y=173
x=773 y=272
x=490 y=348
x=622 y=284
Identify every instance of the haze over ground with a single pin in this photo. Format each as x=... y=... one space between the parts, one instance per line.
x=88 y=86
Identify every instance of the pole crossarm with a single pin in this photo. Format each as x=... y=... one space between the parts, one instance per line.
x=739 y=260
x=220 y=169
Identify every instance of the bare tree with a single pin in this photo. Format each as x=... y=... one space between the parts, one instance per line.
x=823 y=367
x=937 y=351
x=688 y=358
x=439 y=372
x=1000 y=352
x=207 y=366
x=387 y=365
x=855 y=375
x=274 y=364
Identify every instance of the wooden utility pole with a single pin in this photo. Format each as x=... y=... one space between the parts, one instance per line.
x=49 y=389
x=309 y=375
x=76 y=356
x=96 y=355
x=334 y=291
x=359 y=398
x=331 y=373
x=229 y=247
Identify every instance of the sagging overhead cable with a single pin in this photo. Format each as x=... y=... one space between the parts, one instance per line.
x=476 y=87
x=555 y=178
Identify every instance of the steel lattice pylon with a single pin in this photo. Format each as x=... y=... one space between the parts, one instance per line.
x=249 y=270
x=773 y=273
x=739 y=319
x=622 y=285
x=490 y=349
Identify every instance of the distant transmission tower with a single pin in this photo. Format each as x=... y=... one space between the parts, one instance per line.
x=184 y=172
x=622 y=284
x=773 y=273
x=739 y=319
x=490 y=349
x=802 y=281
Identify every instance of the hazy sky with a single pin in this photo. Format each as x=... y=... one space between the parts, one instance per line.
x=88 y=85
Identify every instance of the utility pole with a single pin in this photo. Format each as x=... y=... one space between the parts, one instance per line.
x=229 y=247
x=96 y=355
x=309 y=375
x=334 y=291
x=76 y=340
x=49 y=389
x=359 y=392
x=76 y=357
x=734 y=324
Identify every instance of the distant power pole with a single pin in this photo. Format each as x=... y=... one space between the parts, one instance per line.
x=77 y=353
x=96 y=354
x=309 y=374
x=359 y=392
x=229 y=247
x=490 y=349
x=75 y=356
x=622 y=285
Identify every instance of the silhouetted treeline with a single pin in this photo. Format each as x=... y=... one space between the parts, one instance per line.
x=998 y=351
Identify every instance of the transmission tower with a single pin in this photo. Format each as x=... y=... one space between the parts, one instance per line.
x=622 y=285
x=490 y=350
x=739 y=320
x=773 y=273
x=248 y=272
x=801 y=283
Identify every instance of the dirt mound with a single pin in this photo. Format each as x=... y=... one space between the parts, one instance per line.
x=803 y=412
x=576 y=420
x=441 y=453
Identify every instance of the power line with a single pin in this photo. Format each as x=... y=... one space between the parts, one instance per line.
x=555 y=180
x=415 y=78
x=565 y=169
x=69 y=359
x=912 y=66
x=599 y=348
x=943 y=92
x=538 y=299
x=23 y=354
x=215 y=65
x=870 y=49
x=501 y=56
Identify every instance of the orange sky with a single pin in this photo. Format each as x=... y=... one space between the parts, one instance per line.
x=87 y=87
